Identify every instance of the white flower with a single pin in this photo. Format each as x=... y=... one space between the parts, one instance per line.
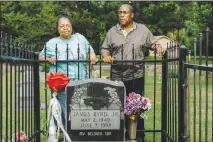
x=149 y=106
x=143 y=115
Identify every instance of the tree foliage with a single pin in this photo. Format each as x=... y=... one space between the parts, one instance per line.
x=34 y=22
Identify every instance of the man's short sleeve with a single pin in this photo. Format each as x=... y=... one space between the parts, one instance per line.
x=106 y=44
x=150 y=39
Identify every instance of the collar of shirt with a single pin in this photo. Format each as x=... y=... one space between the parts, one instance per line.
x=119 y=26
x=125 y=32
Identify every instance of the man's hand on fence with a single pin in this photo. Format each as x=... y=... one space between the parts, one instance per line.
x=160 y=51
x=108 y=59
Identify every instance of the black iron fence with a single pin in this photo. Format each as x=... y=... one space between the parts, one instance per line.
x=170 y=94
x=196 y=90
x=180 y=90
x=19 y=100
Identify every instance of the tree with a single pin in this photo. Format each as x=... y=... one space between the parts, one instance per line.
x=34 y=22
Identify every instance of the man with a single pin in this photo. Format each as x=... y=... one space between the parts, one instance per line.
x=126 y=41
x=76 y=44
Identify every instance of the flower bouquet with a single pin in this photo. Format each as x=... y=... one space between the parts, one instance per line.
x=135 y=106
x=56 y=82
x=20 y=137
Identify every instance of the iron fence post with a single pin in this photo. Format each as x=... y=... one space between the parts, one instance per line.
x=164 y=96
x=181 y=94
x=37 y=99
x=187 y=97
x=207 y=82
x=1 y=86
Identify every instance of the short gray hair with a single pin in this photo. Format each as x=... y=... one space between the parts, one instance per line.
x=57 y=22
x=128 y=6
x=63 y=17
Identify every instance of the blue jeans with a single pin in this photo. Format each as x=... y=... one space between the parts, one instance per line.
x=62 y=98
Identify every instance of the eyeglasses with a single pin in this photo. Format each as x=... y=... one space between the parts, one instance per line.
x=64 y=26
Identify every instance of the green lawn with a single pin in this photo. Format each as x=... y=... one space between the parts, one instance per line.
x=153 y=122
x=200 y=107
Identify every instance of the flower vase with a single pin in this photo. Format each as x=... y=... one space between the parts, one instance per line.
x=132 y=128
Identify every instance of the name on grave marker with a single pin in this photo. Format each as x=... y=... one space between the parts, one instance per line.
x=95 y=119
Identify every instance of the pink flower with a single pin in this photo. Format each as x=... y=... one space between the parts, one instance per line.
x=136 y=104
x=21 y=137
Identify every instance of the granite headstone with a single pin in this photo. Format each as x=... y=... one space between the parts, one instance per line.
x=95 y=110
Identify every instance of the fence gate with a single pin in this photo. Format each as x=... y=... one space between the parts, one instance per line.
x=196 y=90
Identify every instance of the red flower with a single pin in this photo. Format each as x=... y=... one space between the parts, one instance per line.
x=57 y=81
x=21 y=137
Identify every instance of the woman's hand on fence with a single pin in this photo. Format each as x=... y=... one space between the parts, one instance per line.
x=93 y=59
x=52 y=61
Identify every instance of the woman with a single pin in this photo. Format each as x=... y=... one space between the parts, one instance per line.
x=67 y=46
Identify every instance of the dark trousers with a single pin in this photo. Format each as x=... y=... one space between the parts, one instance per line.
x=137 y=86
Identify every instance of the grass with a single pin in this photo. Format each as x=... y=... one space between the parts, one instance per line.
x=153 y=122
x=200 y=107
x=202 y=59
